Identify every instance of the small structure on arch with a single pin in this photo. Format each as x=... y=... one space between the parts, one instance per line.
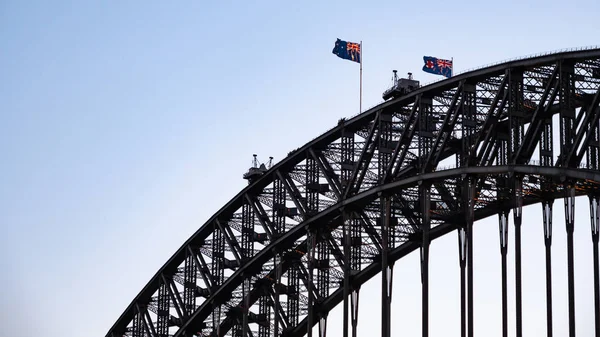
x=257 y=169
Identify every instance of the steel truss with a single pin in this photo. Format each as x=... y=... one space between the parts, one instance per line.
x=304 y=237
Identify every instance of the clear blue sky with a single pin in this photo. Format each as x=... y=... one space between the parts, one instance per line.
x=126 y=124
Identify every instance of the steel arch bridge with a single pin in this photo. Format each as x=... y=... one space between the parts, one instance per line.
x=334 y=213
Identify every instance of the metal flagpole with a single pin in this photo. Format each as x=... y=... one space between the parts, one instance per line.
x=452 y=71
x=361 y=58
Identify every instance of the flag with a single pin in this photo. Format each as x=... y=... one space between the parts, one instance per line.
x=347 y=50
x=437 y=66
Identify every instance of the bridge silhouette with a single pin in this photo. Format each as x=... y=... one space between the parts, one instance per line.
x=308 y=232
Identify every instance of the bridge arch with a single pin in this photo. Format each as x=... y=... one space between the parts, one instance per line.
x=279 y=255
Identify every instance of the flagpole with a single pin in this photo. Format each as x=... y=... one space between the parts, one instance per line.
x=361 y=58
x=452 y=60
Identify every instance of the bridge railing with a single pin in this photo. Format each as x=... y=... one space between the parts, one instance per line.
x=532 y=162
x=518 y=58
x=564 y=50
x=558 y=51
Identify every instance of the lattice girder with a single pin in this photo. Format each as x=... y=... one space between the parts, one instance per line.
x=252 y=263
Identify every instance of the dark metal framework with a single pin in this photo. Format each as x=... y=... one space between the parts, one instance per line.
x=306 y=235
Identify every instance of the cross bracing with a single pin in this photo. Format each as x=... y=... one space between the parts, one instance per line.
x=311 y=230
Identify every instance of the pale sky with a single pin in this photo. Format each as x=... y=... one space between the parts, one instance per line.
x=126 y=124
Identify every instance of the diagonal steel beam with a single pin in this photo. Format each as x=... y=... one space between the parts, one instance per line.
x=408 y=215
x=590 y=122
x=148 y=322
x=364 y=158
x=293 y=193
x=203 y=269
x=277 y=309
x=263 y=218
x=370 y=230
x=175 y=300
x=567 y=106
x=446 y=195
x=335 y=182
x=488 y=151
x=367 y=162
x=446 y=130
x=494 y=113
x=285 y=265
x=328 y=172
x=234 y=247
x=540 y=113
x=406 y=136
x=336 y=251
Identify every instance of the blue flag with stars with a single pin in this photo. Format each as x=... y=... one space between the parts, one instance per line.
x=436 y=66
x=347 y=50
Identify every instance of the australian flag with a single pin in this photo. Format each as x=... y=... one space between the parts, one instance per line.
x=436 y=66
x=347 y=50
